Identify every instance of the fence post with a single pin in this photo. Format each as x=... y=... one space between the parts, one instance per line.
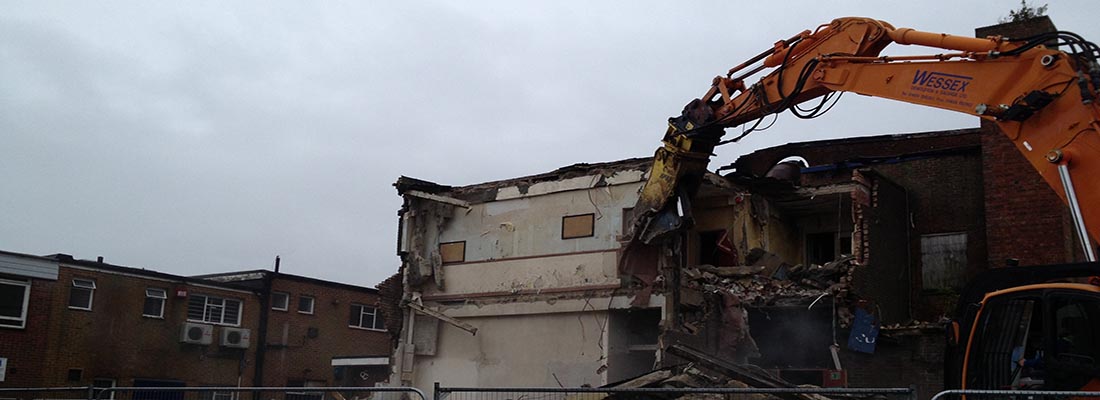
x=435 y=392
x=91 y=392
x=913 y=391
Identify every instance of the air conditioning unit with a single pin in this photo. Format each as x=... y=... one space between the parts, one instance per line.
x=197 y=333
x=235 y=337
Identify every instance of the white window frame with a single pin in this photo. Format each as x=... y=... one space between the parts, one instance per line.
x=312 y=304
x=83 y=284
x=151 y=293
x=374 y=318
x=26 y=301
x=206 y=304
x=286 y=301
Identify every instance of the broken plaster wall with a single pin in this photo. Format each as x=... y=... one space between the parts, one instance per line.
x=539 y=301
x=424 y=220
x=515 y=242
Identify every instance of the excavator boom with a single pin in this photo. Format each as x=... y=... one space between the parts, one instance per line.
x=1043 y=99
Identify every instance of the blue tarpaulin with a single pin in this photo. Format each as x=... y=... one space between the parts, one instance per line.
x=864 y=332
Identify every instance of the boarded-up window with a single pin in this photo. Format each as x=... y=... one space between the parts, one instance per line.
x=453 y=252
x=943 y=260
x=578 y=226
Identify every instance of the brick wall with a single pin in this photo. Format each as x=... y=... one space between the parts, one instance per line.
x=301 y=346
x=24 y=348
x=899 y=360
x=391 y=292
x=114 y=341
x=1026 y=219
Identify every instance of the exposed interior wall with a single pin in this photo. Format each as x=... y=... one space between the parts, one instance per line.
x=793 y=337
x=885 y=278
x=546 y=350
x=632 y=343
x=752 y=222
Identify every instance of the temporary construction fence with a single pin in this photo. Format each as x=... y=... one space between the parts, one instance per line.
x=796 y=393
x=502 y=393
x=1013 y=394
x=213 y=393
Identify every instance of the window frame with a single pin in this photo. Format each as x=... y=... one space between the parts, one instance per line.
x=446 y=249
x=91 y=293
x=163 y=299
x=957 y=278
x=286 y=301
x=22 y=320
x=206 y=304
x=374 y=319
x=312 y=304
x=591 y=221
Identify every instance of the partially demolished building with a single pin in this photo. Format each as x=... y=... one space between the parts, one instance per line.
x=833 y=269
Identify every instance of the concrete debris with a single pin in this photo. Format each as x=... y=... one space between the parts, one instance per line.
x=773 y=282
x=705 y=371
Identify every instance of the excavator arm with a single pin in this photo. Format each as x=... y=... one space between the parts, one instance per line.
x=1041 y=98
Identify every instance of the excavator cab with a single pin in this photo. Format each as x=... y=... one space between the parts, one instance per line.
x=1040 y=336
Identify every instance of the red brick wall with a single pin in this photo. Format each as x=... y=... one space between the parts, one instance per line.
x=391 y=292
x=293 y=355
x=900 y=361
x=24 y=348
x=115 y=341
x=1025 y=218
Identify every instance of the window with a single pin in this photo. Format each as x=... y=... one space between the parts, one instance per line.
x=75 y=374
x=305 y=305
x=14 y=296
x=214 y=310
x=103 y=383
x=154 y=303
x=81 y=294
x=943 y=261
x=452 y=252
x=365 y=317
x=1004 y=325
x=578 y=226
x=280 y=301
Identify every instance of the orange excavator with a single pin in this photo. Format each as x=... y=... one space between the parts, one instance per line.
x=1042 y=98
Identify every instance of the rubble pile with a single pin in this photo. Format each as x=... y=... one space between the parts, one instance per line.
x=768 y=281
x=705 y=371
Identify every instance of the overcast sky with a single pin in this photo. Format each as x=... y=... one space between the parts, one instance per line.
x=199 y=137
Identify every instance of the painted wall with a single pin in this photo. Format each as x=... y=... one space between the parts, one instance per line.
x=516 y=243
x=549 y=350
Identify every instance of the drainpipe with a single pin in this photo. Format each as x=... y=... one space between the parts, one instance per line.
x=261 y=331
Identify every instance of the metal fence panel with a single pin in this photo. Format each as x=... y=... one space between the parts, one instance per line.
x=798 y=393
x=1013 y=394
x=260 y=393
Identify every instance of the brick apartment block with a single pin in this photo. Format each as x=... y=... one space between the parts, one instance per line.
x=66 y=322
